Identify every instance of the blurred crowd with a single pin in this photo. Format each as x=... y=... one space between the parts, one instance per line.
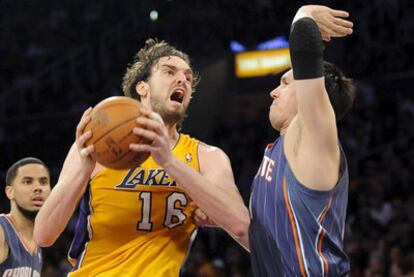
x=62 y=57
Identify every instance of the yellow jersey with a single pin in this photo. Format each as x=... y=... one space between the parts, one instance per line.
x=135 y=222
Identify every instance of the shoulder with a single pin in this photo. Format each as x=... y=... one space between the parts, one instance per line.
x=212 y=158
x=207 y=150
x=4 y=246
x=2 y=235
x=3 y=221
x=314 y=162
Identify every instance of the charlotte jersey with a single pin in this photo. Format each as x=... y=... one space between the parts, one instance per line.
x=135 y=222
x=20 y=262
x=296 y=231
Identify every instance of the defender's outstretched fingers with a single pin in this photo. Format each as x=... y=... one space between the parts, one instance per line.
x=343 y=22
x=339 y=13
x=339 y=29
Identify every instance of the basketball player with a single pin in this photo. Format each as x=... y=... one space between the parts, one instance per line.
x=300 y=192
x=27 y=187
x=137 y=222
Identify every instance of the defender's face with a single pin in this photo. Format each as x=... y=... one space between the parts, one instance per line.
x=284 y=105
x=170 y=88
x=30 y=188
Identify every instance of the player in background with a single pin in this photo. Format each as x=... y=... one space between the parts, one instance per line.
x=27 y=187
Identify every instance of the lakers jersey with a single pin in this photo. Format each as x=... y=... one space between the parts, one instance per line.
x=294 y=230
x=135 y=222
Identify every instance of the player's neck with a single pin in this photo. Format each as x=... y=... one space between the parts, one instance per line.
x=173 y=134
x=294 y=121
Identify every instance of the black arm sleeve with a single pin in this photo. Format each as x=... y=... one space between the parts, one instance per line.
x=306 y=49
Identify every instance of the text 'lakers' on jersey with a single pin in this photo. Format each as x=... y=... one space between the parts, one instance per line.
x=135 y=222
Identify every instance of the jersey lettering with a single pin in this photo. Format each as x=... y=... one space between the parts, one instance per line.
x=174 y=215
x=266 y=168
x=23 y=271
x=151 y=177
x=145 y=223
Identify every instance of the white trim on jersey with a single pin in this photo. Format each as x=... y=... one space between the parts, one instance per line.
x=299 y=235
x=316 y=248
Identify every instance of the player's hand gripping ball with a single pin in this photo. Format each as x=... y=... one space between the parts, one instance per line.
x=113 y=120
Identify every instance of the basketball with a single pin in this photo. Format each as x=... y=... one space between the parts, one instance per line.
x=112 y=122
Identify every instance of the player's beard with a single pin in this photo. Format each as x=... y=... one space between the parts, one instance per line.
x=30 y=215
x=169 y=117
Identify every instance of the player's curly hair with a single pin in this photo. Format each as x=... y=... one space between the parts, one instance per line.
x=140 y=68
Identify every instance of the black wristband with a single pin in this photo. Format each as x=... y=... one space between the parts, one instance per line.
x=306 y=49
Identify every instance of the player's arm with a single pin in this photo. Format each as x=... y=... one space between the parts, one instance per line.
x=311 y=140
x=212 y=189
x=4 y=247
x=62 y=201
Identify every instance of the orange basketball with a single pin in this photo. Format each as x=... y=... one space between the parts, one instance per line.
x=113 y=120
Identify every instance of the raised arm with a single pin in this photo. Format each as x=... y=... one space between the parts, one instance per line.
x=311 y=143
x=60 y=205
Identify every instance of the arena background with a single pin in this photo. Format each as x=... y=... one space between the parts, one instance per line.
x=59 y=57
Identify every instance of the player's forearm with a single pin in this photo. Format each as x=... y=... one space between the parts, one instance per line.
x=306 y=51
x=223 y=204
x=60 y=205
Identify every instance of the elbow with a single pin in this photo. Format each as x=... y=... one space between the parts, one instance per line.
x=43 y=240
x=42 y=237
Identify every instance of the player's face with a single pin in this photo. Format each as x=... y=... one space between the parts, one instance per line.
x=170 y=88
x=284 y=105
x=29 y=189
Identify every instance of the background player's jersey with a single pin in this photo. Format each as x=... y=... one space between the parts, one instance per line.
x=20 y=260
x=296 y=231
x=135 y=222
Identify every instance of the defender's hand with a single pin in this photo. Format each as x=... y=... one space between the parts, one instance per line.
x=331 y=22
